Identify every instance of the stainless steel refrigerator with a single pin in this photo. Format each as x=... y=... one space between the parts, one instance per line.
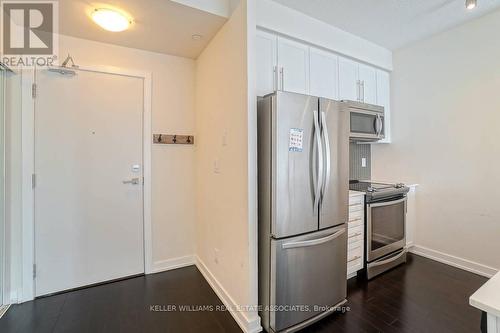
x=303 y=209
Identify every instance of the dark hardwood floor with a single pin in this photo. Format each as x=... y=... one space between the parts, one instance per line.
x=421 y=296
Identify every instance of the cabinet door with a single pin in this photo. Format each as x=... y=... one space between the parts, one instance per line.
x=368 y=78
x=293 y=63
x=324 y=74
x=266 y=63
x=384 y=99
x=348 y=80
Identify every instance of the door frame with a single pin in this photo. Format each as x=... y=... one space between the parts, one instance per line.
x=26 y=290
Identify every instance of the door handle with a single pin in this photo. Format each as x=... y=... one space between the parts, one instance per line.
x=391 y=259
x=320 y=171
x=381 y=125
x=313 y=242
x=326 y=141
x=358 y=89
x=275 y=78
x=282 y=74
x=363 y=91
x=133 y=181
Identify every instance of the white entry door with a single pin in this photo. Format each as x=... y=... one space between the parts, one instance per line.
x=89 y=179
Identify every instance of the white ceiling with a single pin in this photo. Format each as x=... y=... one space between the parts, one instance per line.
x=162 y=26
x=392 y=23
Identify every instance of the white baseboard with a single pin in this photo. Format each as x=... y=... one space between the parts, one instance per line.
x=169 y=264
x=454 y=261
x=246 y=324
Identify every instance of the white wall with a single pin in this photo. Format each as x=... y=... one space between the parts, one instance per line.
x=222 y=106
x=276 y=17
x=445 y=125
x=173 y=186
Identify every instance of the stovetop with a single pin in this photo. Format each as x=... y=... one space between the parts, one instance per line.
x=362 y=186
x=376 y=191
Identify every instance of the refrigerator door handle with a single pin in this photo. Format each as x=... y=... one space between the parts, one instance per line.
x=326 y=142
x=317 y=189
x=313 y=242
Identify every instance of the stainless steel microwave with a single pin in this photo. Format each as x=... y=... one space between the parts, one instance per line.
x=367 y=121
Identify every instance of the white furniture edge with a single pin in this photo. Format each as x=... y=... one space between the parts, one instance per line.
x=3 y=309
x=487 y=298
x=246 y=324
x=454 y=261
x=26 y=290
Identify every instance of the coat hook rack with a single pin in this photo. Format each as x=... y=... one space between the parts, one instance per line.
x=173 y=139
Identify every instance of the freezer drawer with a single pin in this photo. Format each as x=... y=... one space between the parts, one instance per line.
x=308 y=272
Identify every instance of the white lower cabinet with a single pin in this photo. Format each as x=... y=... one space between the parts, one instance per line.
x=355 y=234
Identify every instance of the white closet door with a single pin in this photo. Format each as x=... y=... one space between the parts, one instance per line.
x=293 y=62
x=88 y=142
x=266 y=63
x=368 y=78
x=324 y=74
x=348 y=80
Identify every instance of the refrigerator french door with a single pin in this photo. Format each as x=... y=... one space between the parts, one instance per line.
x=303 y=208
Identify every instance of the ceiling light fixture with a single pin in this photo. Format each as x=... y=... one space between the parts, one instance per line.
x=470 y=4
x=111 y=20
x=196 y=37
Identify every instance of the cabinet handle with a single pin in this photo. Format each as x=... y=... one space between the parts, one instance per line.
x=282 y=72
x=355 y=258
x=358 y=90
x=363 y=91
x=275 y=78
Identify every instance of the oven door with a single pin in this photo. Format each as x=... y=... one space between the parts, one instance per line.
x=367 y=125
x=386 y=227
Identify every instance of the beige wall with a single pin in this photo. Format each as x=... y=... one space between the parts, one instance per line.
x=222 y=198
x=445 y=125
x=173 y=204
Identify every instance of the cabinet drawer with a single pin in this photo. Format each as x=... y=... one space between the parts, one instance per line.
x=355 y=234
x=356 y=208
x=354 y=249
x=356 y=200
x=356 y=216
x=354 y=257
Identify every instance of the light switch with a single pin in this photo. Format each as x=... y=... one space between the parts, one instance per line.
x=363 y=162
x=216 y=166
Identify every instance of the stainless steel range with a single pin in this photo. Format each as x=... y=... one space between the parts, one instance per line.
x=385 y=221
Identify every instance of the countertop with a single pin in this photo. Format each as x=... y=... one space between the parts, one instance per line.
x=355 y=193
x=487 y=298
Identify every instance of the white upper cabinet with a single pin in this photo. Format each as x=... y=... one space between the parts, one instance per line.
x=293 y=66
x=368 y=84
x=288 y=65
x=324 y=74
x=384 y=99
x=266 y=63
x=349 y=88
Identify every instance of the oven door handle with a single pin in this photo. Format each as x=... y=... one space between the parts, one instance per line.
x=391 y=259
x=387 y=203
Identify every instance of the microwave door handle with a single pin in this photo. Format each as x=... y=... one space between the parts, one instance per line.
x=378 y=127
x=319 y=150
x=326 y=142
x=381 y=125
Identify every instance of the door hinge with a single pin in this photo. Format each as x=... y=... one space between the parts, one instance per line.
x=33 y=181
x=33 y=90
x=34 y=271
